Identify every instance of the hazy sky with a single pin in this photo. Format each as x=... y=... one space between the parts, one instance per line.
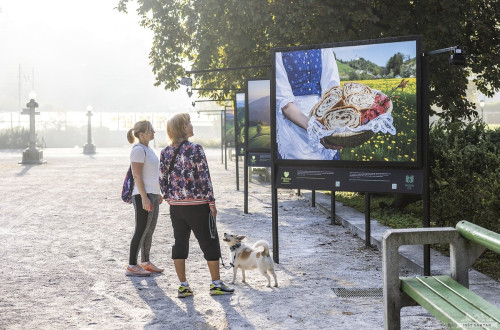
x=82 y=53
x=259 y=89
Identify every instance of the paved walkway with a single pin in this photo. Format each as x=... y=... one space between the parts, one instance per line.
x=65 y=235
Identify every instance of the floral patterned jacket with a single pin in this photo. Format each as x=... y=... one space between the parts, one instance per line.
x=189 y=182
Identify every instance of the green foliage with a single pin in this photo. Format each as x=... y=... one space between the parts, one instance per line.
x=394 y=65
x=361 y=69
x=214 y=34
x=361 y=64
x=409 y=68
x=15 y=138
x=410 y=217
x=465 y=174
x=345 y=71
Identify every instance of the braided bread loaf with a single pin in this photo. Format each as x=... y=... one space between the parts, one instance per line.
x=347 y=116
x=352 y=99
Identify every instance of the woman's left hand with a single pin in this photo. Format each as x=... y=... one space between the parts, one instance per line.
x=160 y=197
x=213 y=210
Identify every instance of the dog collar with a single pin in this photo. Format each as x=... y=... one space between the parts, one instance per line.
x=234 y=247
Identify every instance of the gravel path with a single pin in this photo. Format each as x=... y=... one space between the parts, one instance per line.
x=65 y=236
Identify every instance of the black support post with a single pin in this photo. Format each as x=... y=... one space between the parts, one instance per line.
x=276 y=257
x=225 y=155
x=245 y=183
x=222 y=137
x=425 y=130
x=332 y=208
x=368 y=233
x=237 y=169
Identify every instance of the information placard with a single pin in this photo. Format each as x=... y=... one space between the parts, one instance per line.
x=259 y=159
x=403 y=181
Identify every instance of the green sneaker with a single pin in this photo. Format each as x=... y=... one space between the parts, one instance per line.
x=220 y=289
x=184 y=291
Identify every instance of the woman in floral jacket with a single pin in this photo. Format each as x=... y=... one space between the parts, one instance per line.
x=188 y=190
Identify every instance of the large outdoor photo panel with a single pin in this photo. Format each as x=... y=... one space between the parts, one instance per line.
x=354 y=103
x=258 y=115
x=239 y=122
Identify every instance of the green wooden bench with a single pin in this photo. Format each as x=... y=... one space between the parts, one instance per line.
x=446 y=297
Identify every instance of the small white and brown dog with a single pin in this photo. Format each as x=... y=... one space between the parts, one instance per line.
x=247 y=258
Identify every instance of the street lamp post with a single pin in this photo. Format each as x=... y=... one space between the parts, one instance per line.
x=32 y=155
x=89 y=148
x=481 y=104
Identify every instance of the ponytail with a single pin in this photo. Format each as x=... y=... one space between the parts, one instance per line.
x=130 y=136
x=139 y=127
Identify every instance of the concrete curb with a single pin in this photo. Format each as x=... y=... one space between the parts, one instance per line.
x=411 y=256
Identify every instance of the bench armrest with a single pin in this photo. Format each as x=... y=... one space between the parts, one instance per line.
x=394 y=299
x=479 y=235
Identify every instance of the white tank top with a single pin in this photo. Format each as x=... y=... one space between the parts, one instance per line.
x=150 y=172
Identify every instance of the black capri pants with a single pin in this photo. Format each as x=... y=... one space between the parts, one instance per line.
x=187 y=218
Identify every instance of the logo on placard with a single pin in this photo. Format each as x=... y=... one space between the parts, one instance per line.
x=253 y=160
x=285 y=179
x=410 y=179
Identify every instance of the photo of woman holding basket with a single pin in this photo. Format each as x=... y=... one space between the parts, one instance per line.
x=301 y=77
x=186 y=185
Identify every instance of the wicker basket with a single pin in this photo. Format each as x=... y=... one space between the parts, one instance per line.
x=349 y=139
x=346 y=139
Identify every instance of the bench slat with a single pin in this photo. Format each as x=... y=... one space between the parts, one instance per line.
x=491 y=311
x=452 y=308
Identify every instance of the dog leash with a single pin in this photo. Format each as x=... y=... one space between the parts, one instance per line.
x=231 y=265
x=213 y=234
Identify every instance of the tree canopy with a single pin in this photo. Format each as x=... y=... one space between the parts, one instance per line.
x=213 y=34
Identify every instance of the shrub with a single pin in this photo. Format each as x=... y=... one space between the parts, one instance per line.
x=465 y=173
x=15 y=138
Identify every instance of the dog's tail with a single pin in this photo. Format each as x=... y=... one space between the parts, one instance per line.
x=265 y=245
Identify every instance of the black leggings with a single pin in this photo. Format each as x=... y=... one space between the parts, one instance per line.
x=145 y=224
x=193 y=217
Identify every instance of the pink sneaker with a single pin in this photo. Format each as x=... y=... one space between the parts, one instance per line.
x=151 y=268
x=136 y=270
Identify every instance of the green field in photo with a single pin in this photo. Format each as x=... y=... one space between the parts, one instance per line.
x=259 y=141
x=401 y=147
